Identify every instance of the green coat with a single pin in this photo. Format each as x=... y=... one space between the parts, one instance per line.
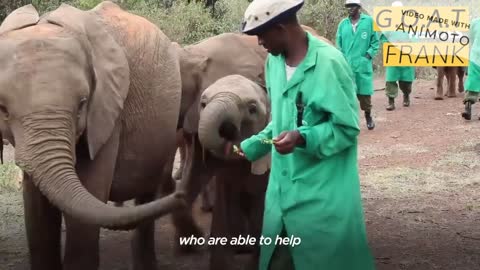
x=354 y=46
x=314 y=192
x=400 y=73
x=473 y=79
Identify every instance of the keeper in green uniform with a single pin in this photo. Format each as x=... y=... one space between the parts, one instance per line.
x=313 y=191
x=357 y=40
x=401 y=76
x=472 y=85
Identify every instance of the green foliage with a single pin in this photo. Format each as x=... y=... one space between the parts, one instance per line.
x=188 y=23
x=9 y=173
x=45 y=6
x=324 y=16
x=182 y=22
x=84 y=4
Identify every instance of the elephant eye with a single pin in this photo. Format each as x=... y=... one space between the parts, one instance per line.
x=81 y=105
x=203 y=104
x=252 y=108
x=4 y=110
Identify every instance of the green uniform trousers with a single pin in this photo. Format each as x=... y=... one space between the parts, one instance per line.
x=471 y=96
x=391 y=88
x=365 y=102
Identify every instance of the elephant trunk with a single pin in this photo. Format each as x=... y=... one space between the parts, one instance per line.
x=45 y=152
x=219 y=124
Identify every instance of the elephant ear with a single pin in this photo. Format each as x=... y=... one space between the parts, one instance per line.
x=194 y=67
x=260 y=80
x=192 y=117
x=20 y=18
x=110 y=69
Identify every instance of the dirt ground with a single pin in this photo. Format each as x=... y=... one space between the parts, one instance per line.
x=420 y=177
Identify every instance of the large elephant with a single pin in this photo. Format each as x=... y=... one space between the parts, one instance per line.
x=230 y=110
x=451 y=74
x=82 y=94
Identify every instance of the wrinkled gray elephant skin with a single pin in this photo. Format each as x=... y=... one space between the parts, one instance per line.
x=82 y=94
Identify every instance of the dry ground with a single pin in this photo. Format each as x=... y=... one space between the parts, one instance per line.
x=420 y=177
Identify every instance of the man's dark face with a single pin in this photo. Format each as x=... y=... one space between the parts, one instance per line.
x=353 y=9
x=273 y=40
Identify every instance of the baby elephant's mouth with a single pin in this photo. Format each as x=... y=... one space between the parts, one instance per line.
x=228 y=148
x=228 y=131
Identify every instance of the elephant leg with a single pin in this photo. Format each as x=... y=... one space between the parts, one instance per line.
x=461 y=75
x=82 y=246
x=43 y=223
x=225 y=214
x=440 y=75
x=208 y=196
x=239 y=224
x=195 y=176
x=255 y=214
x=82 y=241
x=143 y=241
x=452 y=84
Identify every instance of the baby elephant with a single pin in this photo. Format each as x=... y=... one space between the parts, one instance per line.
x=230 y=110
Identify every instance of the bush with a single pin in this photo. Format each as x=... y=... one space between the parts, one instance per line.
x=10 y=177
x=188 y=23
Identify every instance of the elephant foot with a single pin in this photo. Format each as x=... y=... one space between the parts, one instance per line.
x=438 y=98
x=452 y=96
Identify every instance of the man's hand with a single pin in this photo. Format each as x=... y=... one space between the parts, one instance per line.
x=286 y=142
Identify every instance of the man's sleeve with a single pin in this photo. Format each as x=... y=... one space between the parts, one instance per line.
x=373 y=49
x=338 y=40
x=382 y=39
x=335 y=96
x=475 y=27
x=253 y=147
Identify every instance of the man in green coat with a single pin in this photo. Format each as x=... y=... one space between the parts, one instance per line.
x=403 y=75
x=472 y=85
x=359 y=43
x=313 y=192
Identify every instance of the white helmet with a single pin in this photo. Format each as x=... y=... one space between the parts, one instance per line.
x=357 y=2
x=397 y=4
x=261 y=13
